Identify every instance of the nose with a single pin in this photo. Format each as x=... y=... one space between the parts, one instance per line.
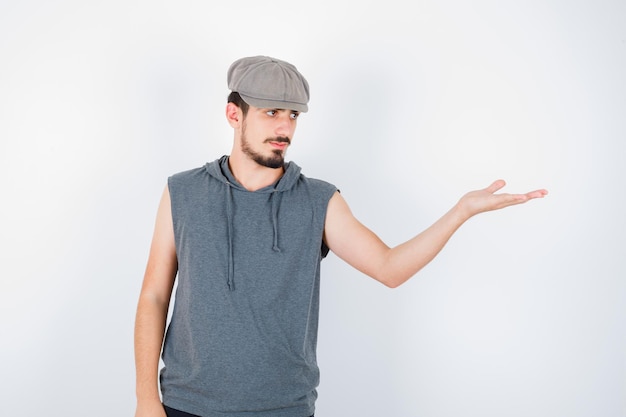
x=284 y=125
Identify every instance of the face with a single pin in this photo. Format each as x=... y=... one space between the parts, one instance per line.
x=266 y=134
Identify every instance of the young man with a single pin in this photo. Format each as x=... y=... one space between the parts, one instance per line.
x=245 y=235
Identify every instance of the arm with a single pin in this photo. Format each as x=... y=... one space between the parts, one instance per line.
x=152 y=311
x=361 y=248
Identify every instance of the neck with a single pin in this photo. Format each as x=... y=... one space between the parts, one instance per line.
x=250 y=174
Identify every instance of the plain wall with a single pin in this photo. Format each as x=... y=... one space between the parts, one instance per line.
x=412 y=105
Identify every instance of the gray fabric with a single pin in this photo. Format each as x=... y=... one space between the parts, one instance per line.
x=243 y=335
x=267 y=82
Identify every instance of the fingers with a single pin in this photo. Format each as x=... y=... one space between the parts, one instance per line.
x=533 y=194
x=537 y=193
x=522 y=198
x=499 y=184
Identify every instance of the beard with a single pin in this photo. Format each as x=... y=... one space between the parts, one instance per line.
x=275 y=160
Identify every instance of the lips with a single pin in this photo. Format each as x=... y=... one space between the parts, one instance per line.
x=279 y=145
x=278 y=142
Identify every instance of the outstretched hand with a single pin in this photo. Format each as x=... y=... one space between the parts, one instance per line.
x=486 y=199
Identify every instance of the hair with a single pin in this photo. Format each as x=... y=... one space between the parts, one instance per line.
x=236 y=99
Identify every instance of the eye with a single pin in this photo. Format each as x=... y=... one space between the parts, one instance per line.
x=271 y=112
x=294 y=115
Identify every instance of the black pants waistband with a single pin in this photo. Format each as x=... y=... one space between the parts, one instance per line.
x=176 y=413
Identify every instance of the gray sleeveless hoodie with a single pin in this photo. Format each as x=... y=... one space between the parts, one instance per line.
x=243 y=334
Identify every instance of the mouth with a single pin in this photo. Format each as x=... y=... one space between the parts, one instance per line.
x=280 y=143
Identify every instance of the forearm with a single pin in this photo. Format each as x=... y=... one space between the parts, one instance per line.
x=406 y=259
x=149 y=332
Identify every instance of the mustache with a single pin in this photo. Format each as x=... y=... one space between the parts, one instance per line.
x=279 y=139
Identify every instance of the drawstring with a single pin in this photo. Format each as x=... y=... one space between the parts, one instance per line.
x=229 y=218
x=221 y=170
x=275 y=196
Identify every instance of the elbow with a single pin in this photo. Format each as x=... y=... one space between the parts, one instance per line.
x=394 y=272
x=393 y=281
x=391 y=274
x=392 y=284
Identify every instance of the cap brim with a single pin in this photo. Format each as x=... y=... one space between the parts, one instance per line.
x=274 y=104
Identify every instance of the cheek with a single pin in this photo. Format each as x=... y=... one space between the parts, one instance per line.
x=294 y=124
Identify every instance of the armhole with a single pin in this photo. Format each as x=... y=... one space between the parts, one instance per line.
x=325 y=248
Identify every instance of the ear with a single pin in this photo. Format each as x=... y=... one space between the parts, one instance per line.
x=233 y=115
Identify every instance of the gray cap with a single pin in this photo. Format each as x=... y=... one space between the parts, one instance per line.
x=267 y=82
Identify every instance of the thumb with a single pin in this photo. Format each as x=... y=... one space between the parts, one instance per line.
x=495 y=186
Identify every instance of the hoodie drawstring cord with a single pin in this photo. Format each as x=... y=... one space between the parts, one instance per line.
x=229 y=218
x=275 y=196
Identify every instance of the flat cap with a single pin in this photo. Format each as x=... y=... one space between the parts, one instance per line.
x=267 y=82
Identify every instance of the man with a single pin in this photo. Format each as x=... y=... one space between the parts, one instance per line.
x=245 y=235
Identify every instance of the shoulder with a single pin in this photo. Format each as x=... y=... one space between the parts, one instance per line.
x=187 y=175
x=195 y=176
x=187 y=185
x=313 y=182
x=318 y=187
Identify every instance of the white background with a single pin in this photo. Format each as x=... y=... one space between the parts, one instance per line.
x=412 y=105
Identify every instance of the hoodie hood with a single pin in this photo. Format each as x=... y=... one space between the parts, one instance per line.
x=220 y=170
